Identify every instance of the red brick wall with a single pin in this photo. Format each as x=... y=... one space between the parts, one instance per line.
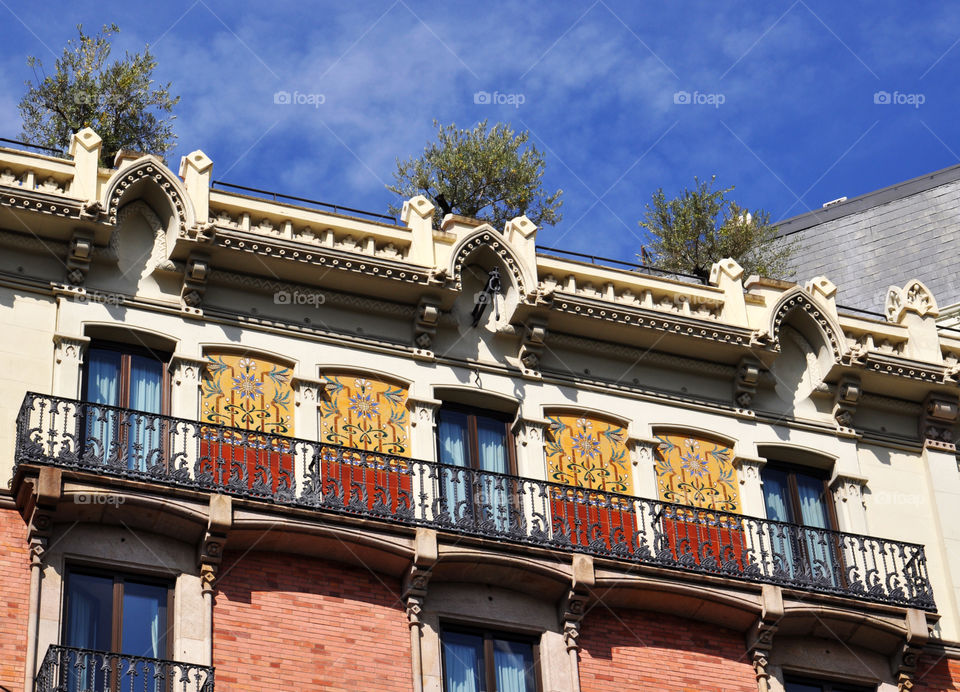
x=292 y=623
x=936 y=674
x=640 y=650
x=15 y=598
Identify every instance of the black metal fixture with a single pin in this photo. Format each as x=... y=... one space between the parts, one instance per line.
x=486 y=296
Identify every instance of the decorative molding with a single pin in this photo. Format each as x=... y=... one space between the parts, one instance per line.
x=905 y=661
x=158 y=257
x=425 y=326
x=486 y=236
x=532 y=346
x=940 y=414
x=530 y=432
x=572 y=609
x=745 y=382
x=78 y=256
x=69 y=348
x=749 y=468
x=40 y=202
x=186 y=370
x=904 y=367
x=913 y=297
x=671 y=323
x=147 y=168
x=797 y=299
x=309 y=390
x=195 y=279
x=848 y=488
x=846 y=398
x=423 y=411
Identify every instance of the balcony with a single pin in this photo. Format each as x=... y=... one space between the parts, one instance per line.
x=175 y=452
x=69 y=669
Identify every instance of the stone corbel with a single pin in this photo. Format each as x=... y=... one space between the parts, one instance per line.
x=415 y=583
x=760 y=635
x=572 y=608
x=845 y=401
x=195 y=281
x=745 y=382
x=79 y=256
x=904 y=664
x=939 y=415
x=532 y=346
x=425 y=327
x=210 y=550
x=308 y=390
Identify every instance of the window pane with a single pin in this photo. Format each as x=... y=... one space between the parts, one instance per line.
x=513 y=662
x=462 y=662
x=452 y=438
x=802 y=687
x=89 y=612
x=144 y=620
x=146 y=380
x=492 y=440
x=776 y=495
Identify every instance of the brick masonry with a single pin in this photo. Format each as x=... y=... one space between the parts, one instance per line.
x=936 y=674
x=639 y=650
x=15 y=601
x=285 y=622
x=915 y=237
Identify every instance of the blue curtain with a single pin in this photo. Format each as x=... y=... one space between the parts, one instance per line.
x=492 y=443
x=146 y=382
x=776 y=495
x=462 y=662
x=455 y=485
x=813 y=512
x=103 y=387
x=89 y=613
x=513 y=662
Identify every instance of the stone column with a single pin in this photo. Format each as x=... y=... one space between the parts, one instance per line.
x=751 y=486
x=46 y=491
x=848 y=498
x=572 y=609
x=760 y=637
x=423 y=422
x=642 y=455
x=185 y=376
x=531 y=458
x=69 y=352
x=415 y=593
x=209 y=556
x=307 y=393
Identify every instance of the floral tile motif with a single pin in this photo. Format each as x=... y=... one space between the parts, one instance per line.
x=589 y=453
x=366 y=414
x=249 y=393
x=697 y=472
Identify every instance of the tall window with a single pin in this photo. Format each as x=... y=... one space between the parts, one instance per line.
x=800 y=496
x=794 y=683
x=126 y=377
x=484 y=661
x=120 y=614
x=479 y=440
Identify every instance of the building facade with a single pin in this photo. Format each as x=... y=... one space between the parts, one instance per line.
x=253 y=445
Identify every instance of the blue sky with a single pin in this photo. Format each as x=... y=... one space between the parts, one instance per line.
x=776 y=98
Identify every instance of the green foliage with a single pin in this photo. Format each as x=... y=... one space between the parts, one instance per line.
x=701 y=226
x=117 y=100
x=491 y=175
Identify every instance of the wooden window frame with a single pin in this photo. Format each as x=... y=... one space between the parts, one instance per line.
x=126 y=351
x=119 y=579
x=791 y=470
x=489 y=636
x=473 y=445
x=827 y=685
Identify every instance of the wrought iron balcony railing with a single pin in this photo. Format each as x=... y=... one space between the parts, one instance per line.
x=69 y=669
x=286 y=471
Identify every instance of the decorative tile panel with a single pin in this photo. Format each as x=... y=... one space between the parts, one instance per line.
x=247 y=392
x=697 y=472
x=365 y=413
x=588 y=453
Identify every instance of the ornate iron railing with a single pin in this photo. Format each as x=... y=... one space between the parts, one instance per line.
x=286 y=471
x=70 y=669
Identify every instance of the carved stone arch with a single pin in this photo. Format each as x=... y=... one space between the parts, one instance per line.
x=149 y=168
x=158 y=258
x=799 y=299
x=487 y=236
